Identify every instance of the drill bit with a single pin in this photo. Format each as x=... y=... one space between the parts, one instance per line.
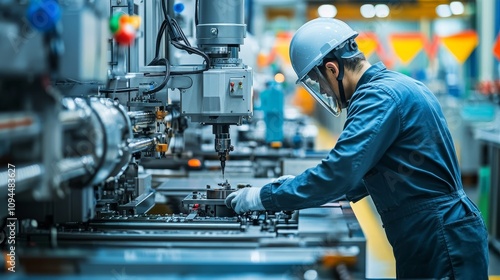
x=222 y=159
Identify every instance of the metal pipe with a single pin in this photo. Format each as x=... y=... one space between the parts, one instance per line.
x=140 y=144
x=74 y=167
x=16 y=125
x=24 y=177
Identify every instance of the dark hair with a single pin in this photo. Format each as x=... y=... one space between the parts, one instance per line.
x=352 y=63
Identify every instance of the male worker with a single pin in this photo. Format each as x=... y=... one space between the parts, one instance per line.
x=395 y=146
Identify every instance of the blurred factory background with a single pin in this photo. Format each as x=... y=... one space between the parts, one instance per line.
x=125 y=124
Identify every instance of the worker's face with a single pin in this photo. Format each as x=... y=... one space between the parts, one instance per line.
x=321 y=86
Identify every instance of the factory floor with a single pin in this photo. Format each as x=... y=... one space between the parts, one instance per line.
x=380 y=263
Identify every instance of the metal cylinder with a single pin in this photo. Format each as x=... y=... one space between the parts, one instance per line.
x=140 y=144
x=74 y=167
x=222 y=138
x=220 y=22
x=116 y=131
x=25 y=177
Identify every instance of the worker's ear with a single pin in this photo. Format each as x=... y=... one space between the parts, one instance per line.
x=333 y=68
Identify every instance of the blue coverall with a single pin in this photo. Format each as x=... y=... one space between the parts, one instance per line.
x=396 y=147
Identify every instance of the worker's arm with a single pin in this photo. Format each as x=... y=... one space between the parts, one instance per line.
x=373 y=123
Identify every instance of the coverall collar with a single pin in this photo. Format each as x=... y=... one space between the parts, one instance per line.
x=367 y=76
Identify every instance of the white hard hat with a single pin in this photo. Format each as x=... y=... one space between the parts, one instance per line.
x=310 y=45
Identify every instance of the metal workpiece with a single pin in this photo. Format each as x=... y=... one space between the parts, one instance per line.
x=218 y=193
x=211 y=195
x=210 y=202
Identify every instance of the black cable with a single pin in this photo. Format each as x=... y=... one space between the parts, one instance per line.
x=176 y=36
x=164 y=8
x=119 y=90
x=130 y=4
x=181 y=33
x=165 y=80
x=195 y=51
x=159 y=36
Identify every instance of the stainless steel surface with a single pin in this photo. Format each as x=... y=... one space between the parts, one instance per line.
x=140 y=144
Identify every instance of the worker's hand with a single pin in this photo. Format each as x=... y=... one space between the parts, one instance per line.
x=282 y=179
x=244 y=200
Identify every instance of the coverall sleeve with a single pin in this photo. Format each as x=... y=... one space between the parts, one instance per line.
x=373 y=123
x=357 y=192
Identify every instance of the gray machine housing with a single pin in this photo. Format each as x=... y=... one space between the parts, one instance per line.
x=209 y=106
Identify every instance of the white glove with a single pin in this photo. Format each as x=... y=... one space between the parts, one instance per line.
x=244 y=200
x=282 y=179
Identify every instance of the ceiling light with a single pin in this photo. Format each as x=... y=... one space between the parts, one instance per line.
x=443 y=10
x=327 y=11
x=382 y=10
x=457 y=8
x=367 y=10
x=279 y=78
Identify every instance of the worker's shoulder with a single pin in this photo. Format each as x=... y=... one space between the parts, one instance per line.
x=393 y=85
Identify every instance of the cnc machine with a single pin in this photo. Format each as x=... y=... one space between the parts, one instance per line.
x=93 y=97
